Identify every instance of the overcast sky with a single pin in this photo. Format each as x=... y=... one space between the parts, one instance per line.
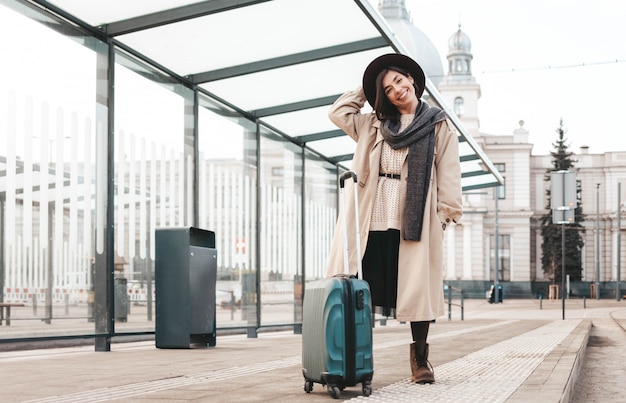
x=540 y=61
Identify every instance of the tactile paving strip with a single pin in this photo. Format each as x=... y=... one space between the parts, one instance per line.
x=142 y=388
x=488 y=375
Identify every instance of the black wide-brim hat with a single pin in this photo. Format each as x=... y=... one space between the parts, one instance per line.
x=392 y=60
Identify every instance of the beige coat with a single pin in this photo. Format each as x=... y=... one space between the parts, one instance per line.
x=420 y=264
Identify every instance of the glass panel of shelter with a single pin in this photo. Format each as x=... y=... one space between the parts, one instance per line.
x=47 y=174
x=280 y=219
x=227 y=205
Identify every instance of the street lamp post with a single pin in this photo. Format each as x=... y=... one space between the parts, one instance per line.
x=563 y=204
x=618 y=287
x=597 y=241
x=497 y=251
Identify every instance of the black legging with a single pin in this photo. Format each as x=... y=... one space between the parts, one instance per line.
x=419 y=330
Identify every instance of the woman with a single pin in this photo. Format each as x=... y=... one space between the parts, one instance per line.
x=409 y=176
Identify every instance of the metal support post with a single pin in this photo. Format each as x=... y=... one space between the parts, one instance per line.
x=618 y=289
x=597 y=241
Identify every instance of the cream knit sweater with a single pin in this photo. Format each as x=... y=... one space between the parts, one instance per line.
x=386 y=210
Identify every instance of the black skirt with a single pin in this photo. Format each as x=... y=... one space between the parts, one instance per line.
x=380 y=268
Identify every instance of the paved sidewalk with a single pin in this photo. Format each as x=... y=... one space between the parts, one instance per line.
x=509 y=352
x=603 y=373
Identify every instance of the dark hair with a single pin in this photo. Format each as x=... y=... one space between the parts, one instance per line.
x=382 y=106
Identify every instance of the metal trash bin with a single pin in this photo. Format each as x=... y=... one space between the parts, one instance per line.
x=185 y=279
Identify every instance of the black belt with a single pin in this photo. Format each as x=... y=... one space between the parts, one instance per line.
x=392 y=176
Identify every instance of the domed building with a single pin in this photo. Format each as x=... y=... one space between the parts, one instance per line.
x=459 y=87
x=460 y=56
x=418 y=45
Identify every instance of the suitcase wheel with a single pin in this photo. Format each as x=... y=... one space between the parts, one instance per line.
x=367 y=388
x=308 y=386
x=334 y=391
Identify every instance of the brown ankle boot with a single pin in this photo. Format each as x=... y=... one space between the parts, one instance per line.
x=421 y=370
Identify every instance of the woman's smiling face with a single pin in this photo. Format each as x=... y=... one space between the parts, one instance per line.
x=400 y=91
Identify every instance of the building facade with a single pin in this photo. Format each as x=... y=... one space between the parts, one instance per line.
x=514 y=210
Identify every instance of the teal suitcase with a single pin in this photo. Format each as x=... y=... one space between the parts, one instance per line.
x=337 y=329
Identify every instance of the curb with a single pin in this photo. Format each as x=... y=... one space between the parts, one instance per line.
x=554 y=380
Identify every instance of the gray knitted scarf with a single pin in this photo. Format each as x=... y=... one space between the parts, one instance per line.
x=419 y=136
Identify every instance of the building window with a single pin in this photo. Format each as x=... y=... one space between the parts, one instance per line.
x=459 y=106
x=504 y=257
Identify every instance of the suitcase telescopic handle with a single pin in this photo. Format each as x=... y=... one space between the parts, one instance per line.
x=342 y=178
x=346 y=175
